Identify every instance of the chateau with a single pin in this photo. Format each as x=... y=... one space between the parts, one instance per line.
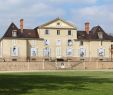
x=55 y=40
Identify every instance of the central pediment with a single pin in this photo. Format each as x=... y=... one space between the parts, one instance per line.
x=58 y=23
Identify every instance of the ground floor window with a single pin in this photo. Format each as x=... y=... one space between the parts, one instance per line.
x=69 y=51
x=33 y=52
x=101 y=52
x=14 y=51
x=82 y=52
x=58 y=52
x=47 y=52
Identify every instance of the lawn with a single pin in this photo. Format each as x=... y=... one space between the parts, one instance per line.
x=57 y=83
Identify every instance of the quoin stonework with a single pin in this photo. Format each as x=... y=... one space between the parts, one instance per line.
x=56 y=40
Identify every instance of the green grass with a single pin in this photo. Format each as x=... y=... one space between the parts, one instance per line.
x=57 y=83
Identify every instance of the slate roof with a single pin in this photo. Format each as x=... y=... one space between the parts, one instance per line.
x=93 y=34
x=27 y=33
x=81 y=35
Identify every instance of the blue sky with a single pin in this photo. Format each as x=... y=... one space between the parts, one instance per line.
x=37 y=12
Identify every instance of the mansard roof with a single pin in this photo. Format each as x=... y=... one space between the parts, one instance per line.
x=27 y=33
x=93 y=34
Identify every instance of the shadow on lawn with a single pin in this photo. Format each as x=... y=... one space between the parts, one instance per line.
x=22 y=84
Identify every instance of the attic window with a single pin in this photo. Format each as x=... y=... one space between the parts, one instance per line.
x=58 y=23
x=100 y=35
x=14 y=33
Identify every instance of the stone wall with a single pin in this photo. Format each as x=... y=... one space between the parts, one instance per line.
x=34 y=66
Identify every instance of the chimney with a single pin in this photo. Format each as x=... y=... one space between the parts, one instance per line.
x=21 y=25
x=87 y=27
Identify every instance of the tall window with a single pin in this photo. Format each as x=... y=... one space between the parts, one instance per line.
x=46 y=42
x=69 y=32
x=58 y=52
x=58 y=32
x=70 y=42
x=46 y=32
x=47 y=52
x=101 y=52
x=69 y=51
x=82 y=52
x=14 y=33
x=33 y=52
x=14 y=51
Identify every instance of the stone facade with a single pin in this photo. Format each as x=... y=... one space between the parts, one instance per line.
x=55 y=40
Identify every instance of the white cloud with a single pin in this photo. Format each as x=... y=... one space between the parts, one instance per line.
x=73 y=1
x=97 y=15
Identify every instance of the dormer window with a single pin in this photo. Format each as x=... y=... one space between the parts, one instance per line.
x=14 y=33
x=100 y=35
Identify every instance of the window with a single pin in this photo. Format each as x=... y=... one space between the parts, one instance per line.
x=58 y=32
x=14 y=51
x=100 y=35
x=13 y=42
x=81 y=43
x=101 y=52
x=82 y=52
x=58 y=23
x=101 y=43
x=46 y=42
x=33 y=43
x=14 y=33
x=46 y=32
x=69 y=32
x=46 y=52
x=58 y=52
x=69 y=51
x=70 y=42
x=33 y=52
x=58 y=42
